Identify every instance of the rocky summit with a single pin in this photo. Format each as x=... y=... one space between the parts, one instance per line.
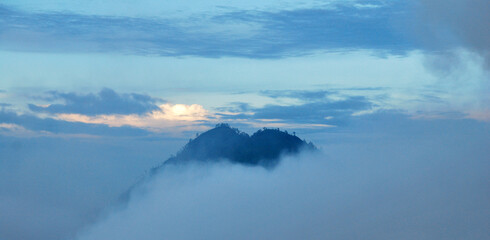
x=224 y=143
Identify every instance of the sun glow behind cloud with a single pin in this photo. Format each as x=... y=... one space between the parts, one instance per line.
x=178 y=117
x=167 y=116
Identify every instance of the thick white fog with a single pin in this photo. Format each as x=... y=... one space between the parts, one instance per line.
x=51 y=187
x=380 y=177
x=429 y=184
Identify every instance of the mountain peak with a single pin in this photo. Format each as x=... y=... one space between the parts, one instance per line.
x=223 y=142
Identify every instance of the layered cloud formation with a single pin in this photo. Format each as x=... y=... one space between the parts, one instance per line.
x=254 y=32
x=108 y=113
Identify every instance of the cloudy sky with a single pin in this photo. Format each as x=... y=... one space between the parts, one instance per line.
x=93 y=94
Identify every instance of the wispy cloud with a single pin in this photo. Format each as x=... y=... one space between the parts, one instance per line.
x=242 y=33
x=168 y=118
x=316 y=109
x=297 y=94
x=107 y=101
x=25 y=122
x=111 y=109
x=108 y=113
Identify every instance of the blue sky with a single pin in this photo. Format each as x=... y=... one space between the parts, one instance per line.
x=238 y=49
x=131 y=81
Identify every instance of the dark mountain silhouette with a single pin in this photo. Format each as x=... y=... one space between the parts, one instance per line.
x=224 y=143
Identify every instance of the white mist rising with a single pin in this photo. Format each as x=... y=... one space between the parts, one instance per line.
x=383 y=190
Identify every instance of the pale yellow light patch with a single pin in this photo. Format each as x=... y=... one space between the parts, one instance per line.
x=179 y=109
x=177 y=117
x=166 y=118
x=182 y=112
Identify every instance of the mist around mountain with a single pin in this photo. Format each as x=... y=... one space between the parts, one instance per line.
x=265 y=148
x=224 y=143
x=403 y=179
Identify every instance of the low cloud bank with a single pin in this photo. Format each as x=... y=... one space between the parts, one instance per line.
x=408 y=187
x=50 y=187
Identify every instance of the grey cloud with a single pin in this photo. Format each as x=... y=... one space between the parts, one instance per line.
x=235 y=107
x=279 y=34
x=455 y=23
x=297 y=94
x=315 y=111
x=107 y=101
